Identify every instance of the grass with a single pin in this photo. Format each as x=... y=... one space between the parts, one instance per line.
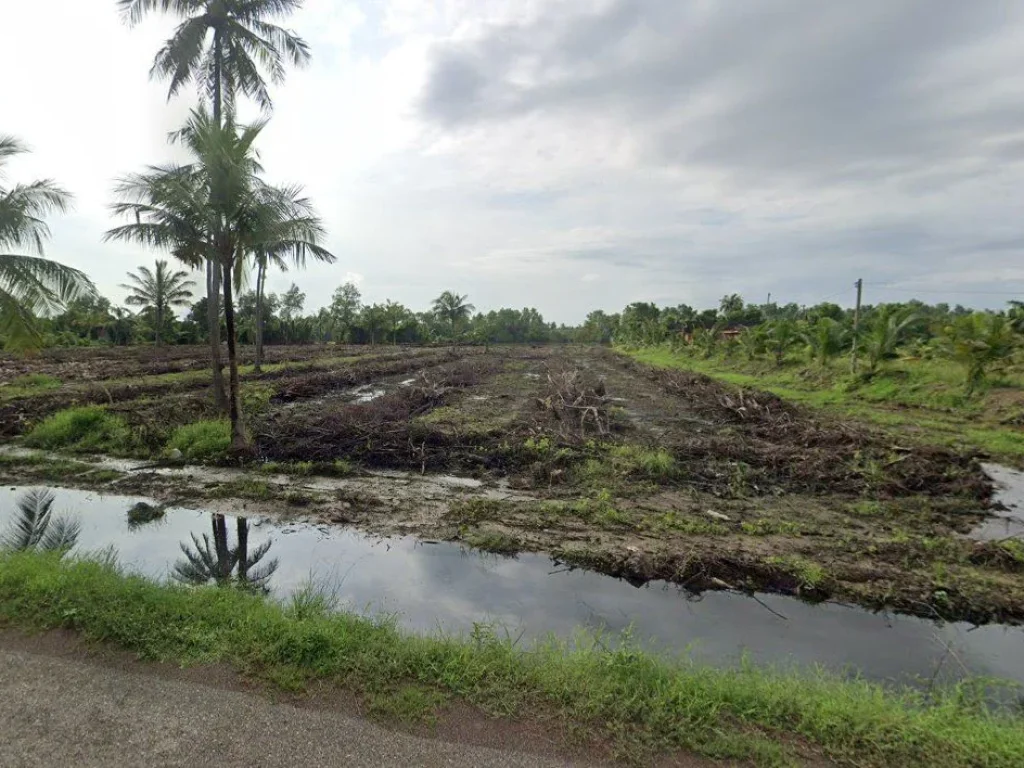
x=494 y=541
x=89 y=429
x=202 y=440
x=643 y=703
x=921 y=399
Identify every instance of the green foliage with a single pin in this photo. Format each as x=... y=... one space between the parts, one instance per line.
x=35 y=381
x=825 y=340
x=495 y=542
x=978 y=342
x=89 y=428
x=885 y=331
x=642 y=704
x=201 y=440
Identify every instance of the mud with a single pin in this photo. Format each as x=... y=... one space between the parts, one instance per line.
x=608 y=465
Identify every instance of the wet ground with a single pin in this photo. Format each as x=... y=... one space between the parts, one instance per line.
x=572 y=453
x=441 y=586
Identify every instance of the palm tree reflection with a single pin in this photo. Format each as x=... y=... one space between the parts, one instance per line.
x=217 y=562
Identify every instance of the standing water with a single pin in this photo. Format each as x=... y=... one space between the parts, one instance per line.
x=431 y=586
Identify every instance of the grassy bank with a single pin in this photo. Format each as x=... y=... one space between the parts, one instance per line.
x=644 y=705
x=921 y=398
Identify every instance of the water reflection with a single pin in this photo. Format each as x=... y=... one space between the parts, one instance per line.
x=222 y=564
x=442 y=586
x=31 y=525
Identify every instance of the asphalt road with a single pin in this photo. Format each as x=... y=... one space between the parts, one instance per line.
x=62 y=711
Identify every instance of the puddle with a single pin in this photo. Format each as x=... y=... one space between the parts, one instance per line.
x=1009 y=522
x=365 y=393
x=431 y=586
x=407 y=383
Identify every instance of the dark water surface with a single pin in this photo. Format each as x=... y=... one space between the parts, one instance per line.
x=442 y=586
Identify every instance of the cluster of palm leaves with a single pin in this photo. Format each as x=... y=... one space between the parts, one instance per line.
x=34 y=527
x=215 y=561
x=30 y=285
x=452 y=309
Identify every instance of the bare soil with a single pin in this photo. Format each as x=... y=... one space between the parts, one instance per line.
x=575 y=451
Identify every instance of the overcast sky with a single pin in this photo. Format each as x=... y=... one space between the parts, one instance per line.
x=587 y=153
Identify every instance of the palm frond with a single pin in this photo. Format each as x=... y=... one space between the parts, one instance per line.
x=60 y=535
x=30 y=520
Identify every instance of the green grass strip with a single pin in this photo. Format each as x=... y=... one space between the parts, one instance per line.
x=644 y=703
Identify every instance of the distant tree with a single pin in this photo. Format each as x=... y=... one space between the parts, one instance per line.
x=374 y=321
x=453 y=309
x=826 y=339
x=886 y=331
x=291 y=309
x=978 y=342
x=31 y=285
x=781 y=336
x=599 y=327
x=159 y=290
x=345 y=306
x=395 y=317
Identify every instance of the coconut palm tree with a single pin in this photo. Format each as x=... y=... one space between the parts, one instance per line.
x=452 y=308
x=221 y=45
x=978 y=342
x=159 y=290
x=279 y=252
x=782 y=336
x=35 y=528
x=886 y=331
x=825 y=340
x=218 y=205
x=30 y=285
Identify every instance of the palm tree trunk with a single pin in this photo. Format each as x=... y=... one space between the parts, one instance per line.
x=261 y=270
x=243 y=549
x=220 y=547
x=159 y=322
x=213 y=319
x=239 y=441
x=218 y=64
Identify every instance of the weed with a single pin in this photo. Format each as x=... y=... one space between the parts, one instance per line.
x=810 y=575
x=35 y=382
x=867 y=508
x=673 y=521
x=202 y=439
x=88 y=428
x=767 y=527
x=494 y=541
x=407 y=704
x=243 y=489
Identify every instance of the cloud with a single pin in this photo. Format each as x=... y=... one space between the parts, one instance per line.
x=632 y=149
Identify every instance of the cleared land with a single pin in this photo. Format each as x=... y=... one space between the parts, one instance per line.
x=600 y=460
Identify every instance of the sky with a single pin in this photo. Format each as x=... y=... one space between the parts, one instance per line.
x=572 y=155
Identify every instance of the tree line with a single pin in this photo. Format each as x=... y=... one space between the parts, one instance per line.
x=168 y=311
x=978 y=341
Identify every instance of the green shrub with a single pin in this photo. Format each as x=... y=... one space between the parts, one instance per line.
x=202 y=439
x=87 y=428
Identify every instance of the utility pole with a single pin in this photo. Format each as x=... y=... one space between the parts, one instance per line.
x=856 y=326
